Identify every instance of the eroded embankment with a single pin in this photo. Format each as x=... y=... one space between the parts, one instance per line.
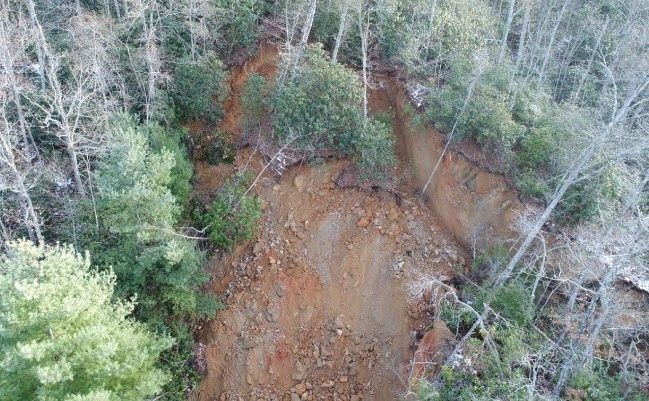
x=474 y=205
x=320 y=304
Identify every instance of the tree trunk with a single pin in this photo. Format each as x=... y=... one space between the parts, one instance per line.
x=39 y=45
x=306 y=31
x=364 y=29
x=506 y=29
x=72 y=154
x=341 y=29
x=577 y=93
x=548 y=49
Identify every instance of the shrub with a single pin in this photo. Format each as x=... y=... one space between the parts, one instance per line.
x=514 y=303
x=233 y=214
x=172 y=140
x=220 y=150
x=240 y=23
x=530 y=185
x=375 y=150
x=487 y=118
x=137 y=215
x=579 y=203
x=535 y=149
x=254 y=98
x=200 y=89
x=597 y=384
x=321 y=105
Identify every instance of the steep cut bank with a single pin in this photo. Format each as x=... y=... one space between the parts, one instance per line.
x=474 y=205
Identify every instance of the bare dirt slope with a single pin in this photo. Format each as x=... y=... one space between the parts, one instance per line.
x=474 y=205
x=320 y=299
x=318 y=304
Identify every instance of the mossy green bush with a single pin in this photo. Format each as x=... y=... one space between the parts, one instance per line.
x=375 y=150
x=321 y=109
x=320 y=106
x=220 y=149
x=200 y=89
x=240 y=23
x=254 y=100
x=232 y=216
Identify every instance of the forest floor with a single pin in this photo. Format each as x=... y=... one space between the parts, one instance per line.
x=321 y=304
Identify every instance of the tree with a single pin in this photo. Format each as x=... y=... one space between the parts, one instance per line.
x=64 y=337
x=137 y=236
x=18 y=174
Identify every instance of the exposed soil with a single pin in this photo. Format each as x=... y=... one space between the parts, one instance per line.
x=474 y=205
x=319 y=305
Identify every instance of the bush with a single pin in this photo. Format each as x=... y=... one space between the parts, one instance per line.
x=200 y=89
x=375 y=150
x=220 y=150
x=597 y=384
x=254 y=98
x=579 y=203
x=514 y=303
x=321 y=105
x=240 y=23
x=172 y=140
x=530 y=185
x=233 y=214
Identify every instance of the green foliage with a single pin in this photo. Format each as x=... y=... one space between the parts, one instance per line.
x=579 y=203
x=598 y=384
x=254 y=98
x=199 y=88
x=486 y=117
x=405 y=33
x=220 y=149
x=63 y=337
x=320 y=109
x=172 y=140
x=321 y=105
x=239 y=23
x=325 y=31
x=137 y=213
x=514 y=303
x=483 y=373
x=375 y=149
x=455 y=318
x=233 y=214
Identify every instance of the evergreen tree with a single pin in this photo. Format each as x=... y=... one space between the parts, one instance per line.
x=63 y=337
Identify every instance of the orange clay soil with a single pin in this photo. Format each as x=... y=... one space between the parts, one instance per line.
x=322 y=305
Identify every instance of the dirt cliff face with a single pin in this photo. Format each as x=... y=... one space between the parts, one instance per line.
x=322 y=304
x=474 y=205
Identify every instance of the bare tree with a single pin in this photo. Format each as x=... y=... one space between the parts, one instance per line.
x=506 y=29
x=13 y=42
x=341 y=30
x=17 y=172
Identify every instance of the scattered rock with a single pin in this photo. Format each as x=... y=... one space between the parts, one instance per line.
x=339 y=323
x=272 y=313
x=363 y=222
x=299 y=182
x=299 y=371
x=300 y=389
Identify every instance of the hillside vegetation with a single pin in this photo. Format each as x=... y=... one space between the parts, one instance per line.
x=105 y=107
